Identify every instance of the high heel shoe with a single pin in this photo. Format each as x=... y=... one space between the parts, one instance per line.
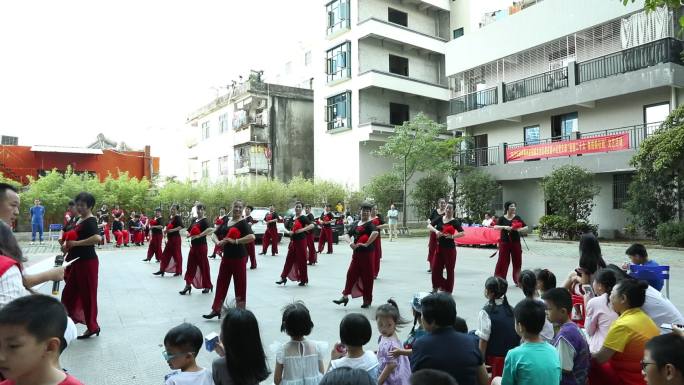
x=177 y=275
x=89 y=334
x=365 y=305
x=282 y=281
x=146 y=260
x=205 y=291
x=342 y=301
x=161 y=273
x=302 y=284
x=212 y=315
x=186 y=290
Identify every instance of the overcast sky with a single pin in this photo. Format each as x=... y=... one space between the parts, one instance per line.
x=133 y=70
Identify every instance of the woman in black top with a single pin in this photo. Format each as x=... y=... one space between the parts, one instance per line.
x=446 y=229
x=172 y=259
x=295 y=263
x=432 y=243
x=80 y=290
x=234 y=233
x=511 y=225
x=197 y=257
x=312 y=257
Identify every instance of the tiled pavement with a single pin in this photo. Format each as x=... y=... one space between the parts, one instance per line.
x=136 y=309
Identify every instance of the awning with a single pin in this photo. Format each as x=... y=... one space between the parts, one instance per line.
x=67 y=150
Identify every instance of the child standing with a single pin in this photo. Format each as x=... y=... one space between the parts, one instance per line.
x=546 y=280
x=299 y=361
x=182 y=345
x=393 y=371
x=572 y=347
x=355 y=331
x=528 y=283
x=35 y=325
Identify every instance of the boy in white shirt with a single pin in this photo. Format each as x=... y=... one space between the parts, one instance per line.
x=182 y=345
x=355 y=331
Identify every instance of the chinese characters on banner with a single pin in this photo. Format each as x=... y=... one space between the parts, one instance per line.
x=606 y=143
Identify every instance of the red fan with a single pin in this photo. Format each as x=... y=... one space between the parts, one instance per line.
x=376 y=221
x=362 y=239
x=218 y=221
x=360 y=229
x=169 y=226
x=153 y=222
x=268 y=217
x=493 y=222
x=234 y=233
x=297 y=225
x=71 y=235
x=516 y=224
x=448 y=229
x=195 y=230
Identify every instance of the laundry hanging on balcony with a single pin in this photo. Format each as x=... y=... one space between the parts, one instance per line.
x=645 y=27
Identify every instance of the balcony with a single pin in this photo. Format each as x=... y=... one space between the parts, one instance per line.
x=243 y=121
x=386 y=31
x=473 y=101
x=537 y=84
x=251 y=159
x=405 y=84
x=252 y=134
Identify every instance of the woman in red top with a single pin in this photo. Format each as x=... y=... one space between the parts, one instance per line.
x=360 y=273
x=295 y=263
x=157 y=235
x=251 y=247
x=511 y=225
x=446 y=229
x=235 y=234
x=218 y=221
x=379 y=224
x=326 y=220
x=197 y=270
x=80 y=290
x=172 y=259
x=432 y=243
x=312 y=257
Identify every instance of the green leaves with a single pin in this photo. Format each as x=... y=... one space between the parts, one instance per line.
x=427 y=191
x=385 y=189
x=475 y=192
x=570 y=191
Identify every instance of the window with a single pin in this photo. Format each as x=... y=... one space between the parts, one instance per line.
x=397 y=17
x=338 y=111
x=399 y=113
x=531 y=135
x=337 y=65
x=205 y=169
x=562 y=126
x=307 y=58
x=205 y=130
x=10 y=140
x=338 y=16
x=223 y=165
x=458 y=33
x=223 y=122
x=620 y=189
x=398 y=65
x=654 y=115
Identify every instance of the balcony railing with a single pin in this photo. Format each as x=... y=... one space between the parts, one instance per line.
x=478 y=157
x=474 y=100
x=632 y=59
x=537 y=84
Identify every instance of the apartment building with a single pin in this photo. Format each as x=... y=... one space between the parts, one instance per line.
x=383 y=64
x=559 y=82
x=257 y=130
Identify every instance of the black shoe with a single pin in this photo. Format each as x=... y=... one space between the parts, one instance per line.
x=177 y=275
x=186 y=290
x=89 y=334
x=282 y=281
x=205 y=291
x=261 y=254
x=146 y=260
x=342 y=301
x=213 y=256
x=161 y=273
x=302 y=284
x=126 y=245
x=252 y=267
x=365 y=305
x=212 y=315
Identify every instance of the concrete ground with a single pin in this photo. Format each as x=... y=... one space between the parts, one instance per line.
x=136 y=309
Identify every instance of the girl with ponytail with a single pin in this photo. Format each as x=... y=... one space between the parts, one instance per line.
x=393 y=371
x=528 y=283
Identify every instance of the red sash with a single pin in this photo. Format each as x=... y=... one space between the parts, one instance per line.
x=6 y=263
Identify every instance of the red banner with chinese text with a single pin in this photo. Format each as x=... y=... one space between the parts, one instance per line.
x=606 y=143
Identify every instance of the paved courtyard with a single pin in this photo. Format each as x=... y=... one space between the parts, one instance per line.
x=136 y=309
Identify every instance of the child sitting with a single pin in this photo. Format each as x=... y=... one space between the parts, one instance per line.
x=528 y=283
x=182 y=345
x=572 y=347
x=535 y=362
x=34 y=325
x=355 y=331
x=298 y=361
x=546 y=280
x=393 y=371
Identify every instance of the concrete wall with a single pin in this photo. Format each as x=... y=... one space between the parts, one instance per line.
x=374 y=105
x=374 y=55
x=292 y=129
x=427 y=22
x=216 y=146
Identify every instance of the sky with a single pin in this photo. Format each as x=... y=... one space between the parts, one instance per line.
x=134 y=69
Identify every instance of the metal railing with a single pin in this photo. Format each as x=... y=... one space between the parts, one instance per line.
x=537 y=84
x=474 y=100
x=478 y=157
x=632 y=59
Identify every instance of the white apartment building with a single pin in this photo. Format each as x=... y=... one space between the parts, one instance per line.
x=547 y=83
x=384 y=63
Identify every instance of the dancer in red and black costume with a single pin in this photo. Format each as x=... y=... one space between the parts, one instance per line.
x=235 y=234
x=251 y=247
x=312 y=256
x=511 y=225
x=271 y=234
x=135 y=229
x=120 y=234
x=80 y=290
x=432 y=243
x=145 y=223
x=295 y=264
x=379 y=225
x=327 y=219
x=197 y=270
x=360 y=273
x=105 y=218
x=156 y=236
x=218 y=221
x=172 y=259
x=446 y=229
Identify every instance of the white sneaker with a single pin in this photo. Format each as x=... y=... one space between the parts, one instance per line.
x=31 y=243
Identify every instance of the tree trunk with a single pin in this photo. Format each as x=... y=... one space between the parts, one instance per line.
x=403 y=218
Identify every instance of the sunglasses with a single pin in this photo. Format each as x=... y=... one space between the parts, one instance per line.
x=168 y=356
x=645 y=364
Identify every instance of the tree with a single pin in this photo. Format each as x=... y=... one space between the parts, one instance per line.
x=475 y=192
x=427 y=191
x=415 y=146
x=570 y=191
x=385 y=189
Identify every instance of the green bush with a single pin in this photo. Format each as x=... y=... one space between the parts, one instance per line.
x=671 y=234
x=556 y=226
x=427 y=191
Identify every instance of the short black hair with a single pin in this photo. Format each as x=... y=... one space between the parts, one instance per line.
x=547 y=278
x=461 y=325
x=347 y=376
x=432 y=377
x=560 y=297
x=507 y=205
x=439 y=308
x=528 y=282
x=71 y=203
x=200 y=206
x=634 y=290
x=355 y=330
x=366 y=206
x=137 y=216
x=531 y=314
x=175 y=206
x=3 y=189
x=251 y=208
x=667 y=349
x=296 y=320
x=158 y=209
x=637 y=249
x=43 y=316
x=86 y=198
x=185 y=336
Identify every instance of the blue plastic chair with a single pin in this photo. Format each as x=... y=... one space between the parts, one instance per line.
x=53 y=231
x=645 y=272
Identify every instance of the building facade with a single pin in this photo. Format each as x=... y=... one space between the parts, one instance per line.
x=587 y=91
x=256 y=131
x=384 y=63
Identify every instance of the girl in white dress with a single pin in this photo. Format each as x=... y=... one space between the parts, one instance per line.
x=298 y=361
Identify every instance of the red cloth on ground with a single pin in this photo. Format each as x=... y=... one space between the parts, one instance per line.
x=479 y=236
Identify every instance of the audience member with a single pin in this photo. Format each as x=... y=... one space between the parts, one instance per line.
x=393 y=370
x=443 y=348
x=347 y=376
x=638 y=256
x=590 y=261
x=299 y=361
x=569 y=341
x=528 y=283
x=663 y=361
x=355 y=332
x=417 y=330
x=535 y=362
x=599 y=314
x=460 y=325
x=181 y=347
x=432 y=377
x=9 y=204
x=546 y=280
